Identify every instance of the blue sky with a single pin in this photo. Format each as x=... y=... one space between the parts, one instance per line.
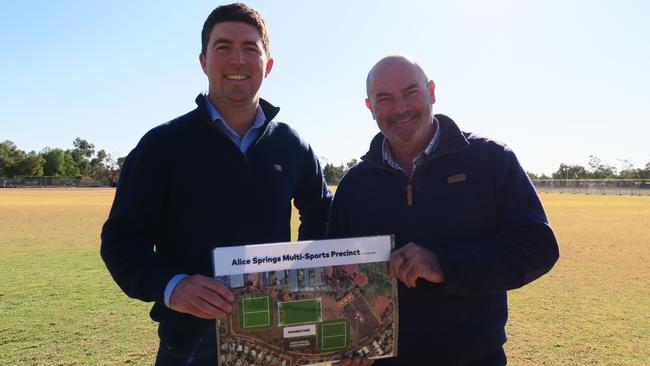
x=556 y=80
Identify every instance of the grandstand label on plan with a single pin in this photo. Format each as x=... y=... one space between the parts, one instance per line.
x=308 y=302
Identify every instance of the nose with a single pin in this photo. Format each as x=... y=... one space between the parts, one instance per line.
x=401 y=105
x=238 y=56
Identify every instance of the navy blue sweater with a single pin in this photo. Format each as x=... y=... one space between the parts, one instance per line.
x=475 y=208
x=186 y=188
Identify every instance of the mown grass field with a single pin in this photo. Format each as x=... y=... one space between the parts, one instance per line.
x=59 y=306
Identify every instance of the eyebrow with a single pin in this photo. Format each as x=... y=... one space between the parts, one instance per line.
x=228 y=41
x=410 y=87
x=407 y=89
x=379 y=95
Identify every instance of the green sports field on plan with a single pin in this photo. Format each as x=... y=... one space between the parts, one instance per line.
x=255 y=311
x=299 y=312
x=59 y=305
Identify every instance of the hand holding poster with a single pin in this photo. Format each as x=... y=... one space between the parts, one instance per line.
x=307 y=302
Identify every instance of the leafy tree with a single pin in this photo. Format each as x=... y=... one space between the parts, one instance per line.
x=31 y=165
x=81 y=154
x=69 y=166
x=54 y=161
x=14 y=161
x=332 y=173
x=10 y=157
x=120 y=162
x=570 y=172
x=112 y=169
x=598 y=170
x=351 y=164
x=98 y=169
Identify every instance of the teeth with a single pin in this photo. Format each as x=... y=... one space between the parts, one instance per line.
x=236 y=77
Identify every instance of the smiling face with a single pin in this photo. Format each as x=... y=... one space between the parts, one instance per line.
x=235 y=63
x=400 y=99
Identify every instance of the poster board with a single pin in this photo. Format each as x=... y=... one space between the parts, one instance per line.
x=299 y=303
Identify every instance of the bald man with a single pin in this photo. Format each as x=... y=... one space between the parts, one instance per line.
x=467 y=221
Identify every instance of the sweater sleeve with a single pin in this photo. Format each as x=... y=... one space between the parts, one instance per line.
x=135 y=223
x=523 y=249
x=313 y=199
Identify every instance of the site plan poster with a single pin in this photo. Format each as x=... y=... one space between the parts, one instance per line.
x=301 y=303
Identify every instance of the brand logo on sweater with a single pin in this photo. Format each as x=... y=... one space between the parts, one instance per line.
x=277 y=168
x=456 y=178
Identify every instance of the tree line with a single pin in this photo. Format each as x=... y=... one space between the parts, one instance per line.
x=83 y=161
x=597 y=169
x=80 y=161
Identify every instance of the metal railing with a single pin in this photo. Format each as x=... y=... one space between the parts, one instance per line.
x=628 y=187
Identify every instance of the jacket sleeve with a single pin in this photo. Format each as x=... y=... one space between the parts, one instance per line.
x=313 y=199
x=135 y=223
x=523 y=249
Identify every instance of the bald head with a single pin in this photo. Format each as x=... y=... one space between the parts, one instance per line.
x=400 y=98
x=392 y=62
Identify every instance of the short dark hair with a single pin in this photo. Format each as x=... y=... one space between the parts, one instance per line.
x=236 y=12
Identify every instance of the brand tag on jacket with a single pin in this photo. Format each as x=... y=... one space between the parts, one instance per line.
x=456 y=178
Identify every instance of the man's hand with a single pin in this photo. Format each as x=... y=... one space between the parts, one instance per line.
x=354 y=361
x=411 y=262
x=202 y=296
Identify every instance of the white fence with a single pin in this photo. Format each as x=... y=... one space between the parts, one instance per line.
x=628 y=187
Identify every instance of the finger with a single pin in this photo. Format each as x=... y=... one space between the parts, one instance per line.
x=191 y=309
x=412 y=275
x=217 y=287
x=411 y=250
x=214 y=300
x=206 y=306
x=195 y=291
x=396 y=260
x=402 y=272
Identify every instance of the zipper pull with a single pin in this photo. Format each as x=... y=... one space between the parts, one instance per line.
x=409 y=194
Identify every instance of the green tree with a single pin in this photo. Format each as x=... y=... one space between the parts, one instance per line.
x=14 y=161
x=10 y=157
x=69 y=166
x=566 y=171
x=31 y=165
x=333 y=173
x=98 y=166
x=120 y=162
x=599 y=170
x=54 y=161
x=81 y=154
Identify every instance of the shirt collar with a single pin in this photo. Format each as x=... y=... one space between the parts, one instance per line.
x=419 y=159
x=259 y=120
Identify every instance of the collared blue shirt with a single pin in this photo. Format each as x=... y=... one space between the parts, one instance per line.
x=418 y=160
x=243 y=143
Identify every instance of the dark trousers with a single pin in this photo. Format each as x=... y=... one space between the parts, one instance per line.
x=495 y=358
x=185 y=350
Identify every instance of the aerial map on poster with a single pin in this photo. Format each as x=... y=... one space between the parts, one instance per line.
x=301 y=303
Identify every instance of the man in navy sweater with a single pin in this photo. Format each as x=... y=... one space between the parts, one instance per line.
x=467 y=221
x=223 y=174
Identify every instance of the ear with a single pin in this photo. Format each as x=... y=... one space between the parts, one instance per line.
x=431 y=87
x=202 y=61
x=369 y=106
x=269 y=66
